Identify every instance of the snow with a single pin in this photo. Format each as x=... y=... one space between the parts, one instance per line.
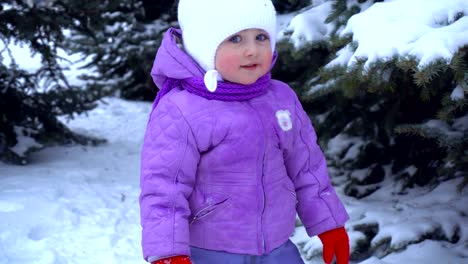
x=434 y=32
x=301 y=29
x=457 y=93
x=403 y=220
x=461 y=123
x=344 y=143
x=438 y=212
x=424 y=29
x=442 y=128
x=435 y=253
x=25 y=142
x=78 y=204
x=19 y=54
x=321 y=87
x=360 y=175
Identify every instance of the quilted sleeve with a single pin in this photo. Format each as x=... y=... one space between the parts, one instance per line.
x=319 y=207
x=169 y=161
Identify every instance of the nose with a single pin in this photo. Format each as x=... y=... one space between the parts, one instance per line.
x=250 y=49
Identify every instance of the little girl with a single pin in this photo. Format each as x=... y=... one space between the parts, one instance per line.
x=229 y=156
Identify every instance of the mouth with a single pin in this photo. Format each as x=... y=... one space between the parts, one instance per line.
x=250 y=67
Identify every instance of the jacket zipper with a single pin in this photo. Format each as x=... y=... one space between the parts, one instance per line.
x=206 y=211
x=263 y=250
x=264 y=196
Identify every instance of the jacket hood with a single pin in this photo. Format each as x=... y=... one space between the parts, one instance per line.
x=172 y=62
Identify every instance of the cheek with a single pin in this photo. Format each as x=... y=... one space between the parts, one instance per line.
x=267 y=57
x=226 y=63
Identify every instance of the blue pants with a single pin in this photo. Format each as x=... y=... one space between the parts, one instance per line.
x=286 y=253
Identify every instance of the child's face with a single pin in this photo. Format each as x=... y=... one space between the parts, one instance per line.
x=244 y=57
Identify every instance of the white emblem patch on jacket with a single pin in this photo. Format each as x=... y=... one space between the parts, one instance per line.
x=284 y=119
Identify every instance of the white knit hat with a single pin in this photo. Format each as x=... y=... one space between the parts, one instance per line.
x=206 y=24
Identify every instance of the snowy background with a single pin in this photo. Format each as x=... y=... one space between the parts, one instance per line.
x=79 y=204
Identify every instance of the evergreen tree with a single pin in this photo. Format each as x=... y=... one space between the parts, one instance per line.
x=31 y=101
x=123 y=48
x=286 y=6
x=392 y=114
x=387 y=122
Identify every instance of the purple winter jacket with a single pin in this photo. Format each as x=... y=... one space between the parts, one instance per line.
x=229 y=176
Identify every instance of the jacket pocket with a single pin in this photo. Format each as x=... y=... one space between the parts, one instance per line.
x=205 y=211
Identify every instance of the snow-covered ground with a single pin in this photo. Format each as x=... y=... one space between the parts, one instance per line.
x=417 y=225
x=77 y=204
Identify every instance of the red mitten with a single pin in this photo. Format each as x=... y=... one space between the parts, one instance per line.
x=173 y=260
x=335 y=242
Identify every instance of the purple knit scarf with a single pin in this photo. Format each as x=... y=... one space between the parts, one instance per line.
x=225 y=91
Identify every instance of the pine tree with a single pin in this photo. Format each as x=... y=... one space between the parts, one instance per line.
x=387 y=122
x=123 y=48
x=448 y=130
x=31 y=101
x=286 y=6
x=385 y=112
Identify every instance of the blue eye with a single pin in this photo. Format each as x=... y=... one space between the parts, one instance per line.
x=235 y=39
x=262 y=37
